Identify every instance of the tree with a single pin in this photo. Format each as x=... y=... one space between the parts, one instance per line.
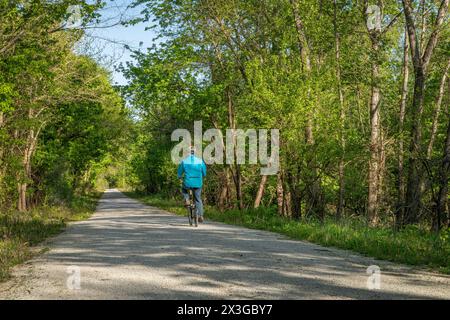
x=442 y=196
x=421 y=60
x=301 y=67
x=40 y=72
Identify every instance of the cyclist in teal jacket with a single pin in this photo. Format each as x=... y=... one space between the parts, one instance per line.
x=192 y=170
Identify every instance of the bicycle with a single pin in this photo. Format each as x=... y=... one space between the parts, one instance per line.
x=192 y=210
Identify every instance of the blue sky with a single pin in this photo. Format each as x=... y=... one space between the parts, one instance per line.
x=106 y=41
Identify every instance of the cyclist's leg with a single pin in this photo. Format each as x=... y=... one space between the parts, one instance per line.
x=198 y=201
x=185 y=193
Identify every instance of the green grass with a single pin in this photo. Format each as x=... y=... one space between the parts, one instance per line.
x=19 y=232
x=413 y=245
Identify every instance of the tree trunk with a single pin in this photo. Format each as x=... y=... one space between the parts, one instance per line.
x=224 y=193
x=314 y=200
x=442 y=198
x=30 y=147
x=237 y=170
x=404 y=94
x=362 y=123
x=22 y=182
x=434 y=127
x=374 y=33
x=294 y=190
x=1 y=147
x=374 y=162
x=239 y=196
x=280 y=194
x=260 y=192
x=437 y=111
x=423 y=25
x=22 y=185
x=314 y=203
x=301 y=37
x=413 y=194
x=287 y=204
x=420 y=62
x=22 y=205
x=340 y=204
x=382 y=168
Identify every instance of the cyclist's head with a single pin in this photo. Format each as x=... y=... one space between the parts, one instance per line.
x=192 y=150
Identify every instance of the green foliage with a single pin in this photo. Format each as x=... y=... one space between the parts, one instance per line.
x=80 y=136
x=243 y=60
x=60 y=118
x=59 y=113
x=19 y=232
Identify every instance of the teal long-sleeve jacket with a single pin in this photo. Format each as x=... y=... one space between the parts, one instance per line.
x=192 y=170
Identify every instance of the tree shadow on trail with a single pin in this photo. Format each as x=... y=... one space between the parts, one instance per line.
x=237 y=262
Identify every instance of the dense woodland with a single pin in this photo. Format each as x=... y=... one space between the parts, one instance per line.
x=361 y=105
x=60 y=117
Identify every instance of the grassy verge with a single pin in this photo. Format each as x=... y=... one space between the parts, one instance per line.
x=413 y=245
x=20 y=231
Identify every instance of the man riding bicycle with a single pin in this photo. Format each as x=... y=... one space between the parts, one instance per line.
x=192 y=170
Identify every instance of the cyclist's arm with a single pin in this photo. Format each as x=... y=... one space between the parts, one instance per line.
x=203 y=169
